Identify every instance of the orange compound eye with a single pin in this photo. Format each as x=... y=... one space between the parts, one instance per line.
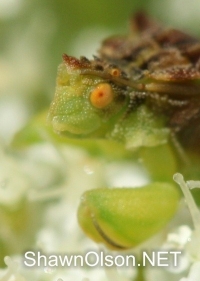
x=102 y=95
x=115 y=72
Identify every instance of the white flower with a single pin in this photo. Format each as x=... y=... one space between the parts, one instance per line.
x=12 y=271
x=194 y=273
x=192 y=248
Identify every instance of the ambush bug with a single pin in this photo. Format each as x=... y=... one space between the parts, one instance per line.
x=142 y=90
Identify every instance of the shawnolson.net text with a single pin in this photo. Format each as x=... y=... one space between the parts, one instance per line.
x=101 y=259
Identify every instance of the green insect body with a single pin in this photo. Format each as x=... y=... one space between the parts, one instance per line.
x=143 y=91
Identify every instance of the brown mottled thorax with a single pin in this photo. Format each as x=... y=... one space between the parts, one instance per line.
x=167 y=63
x=155 y=66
